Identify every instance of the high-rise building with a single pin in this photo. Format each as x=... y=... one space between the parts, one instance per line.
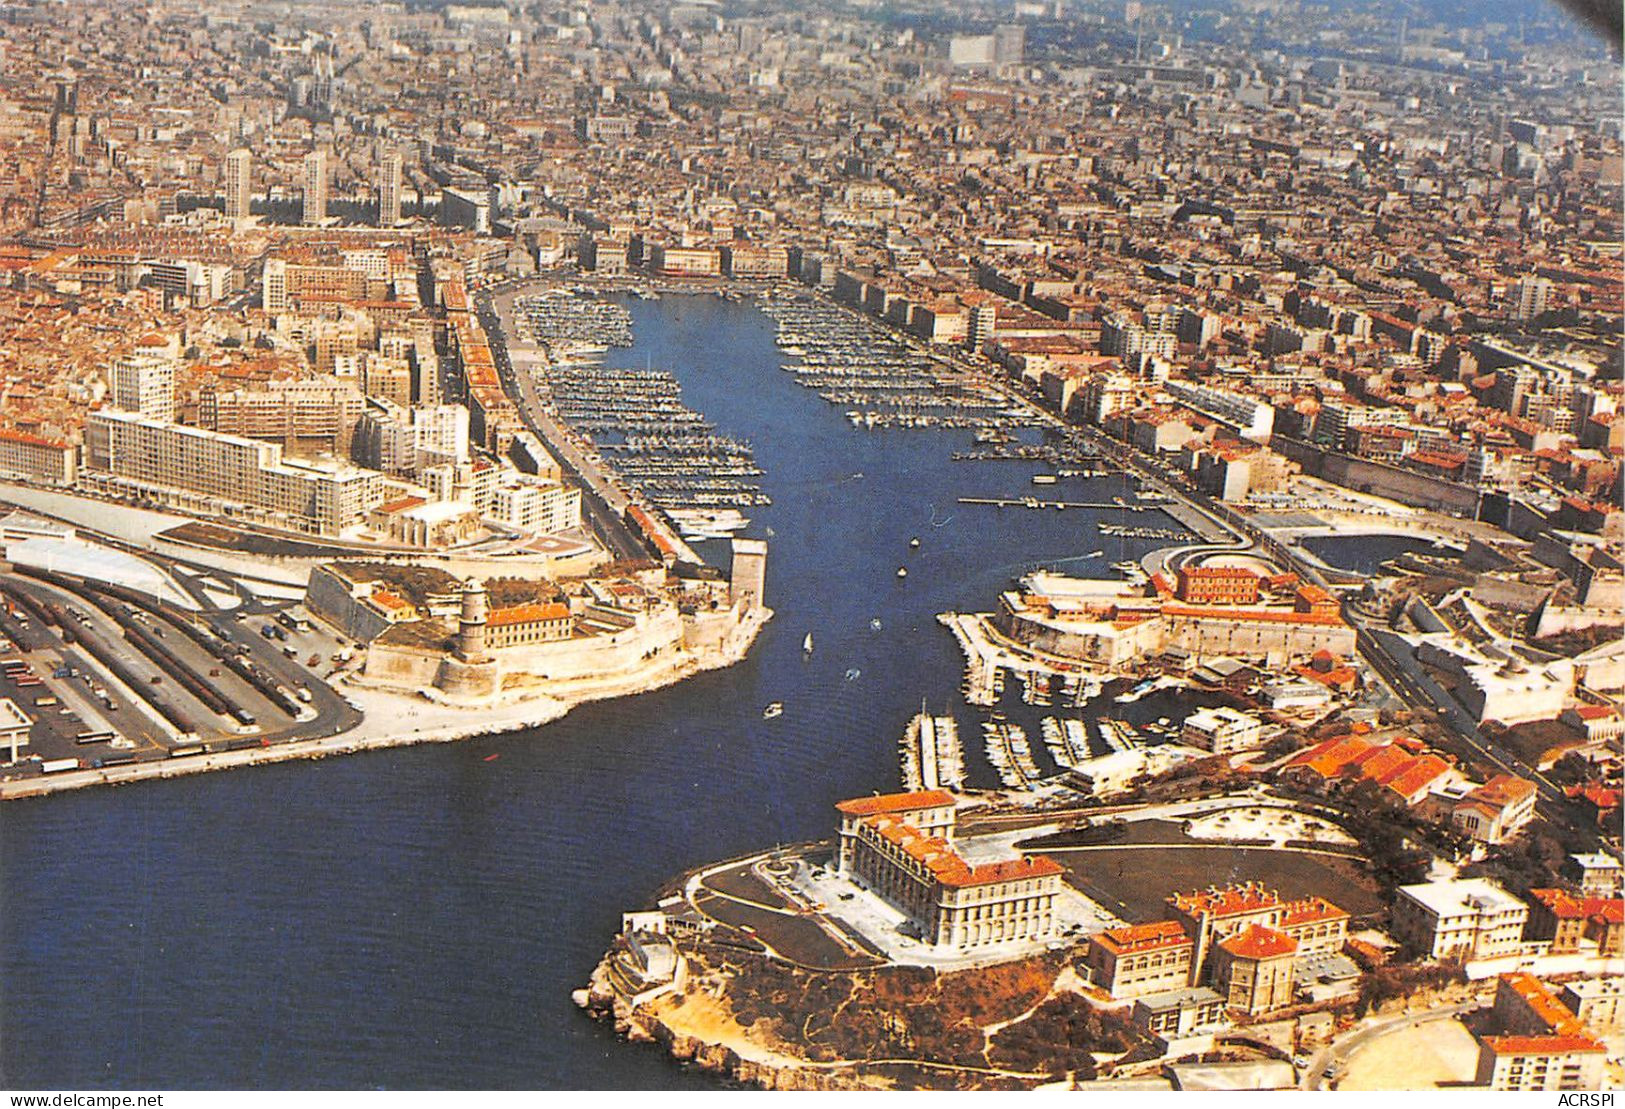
x=398 y=440
x=970 y=50
x=145 y=385
x=315 y=204
x=67 y=96
x=274 y=285
x=239 y=183
x=1009 y=44
x=1530 y=296
x=389 y=190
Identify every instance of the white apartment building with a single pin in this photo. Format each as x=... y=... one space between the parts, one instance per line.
x=389 y=190
x=539 y=506
x=274 y=285
x=1222 y=730
x=35 y=459
x=145 y=385
x=404 y=441
x=217 y=474
x=1251 y=417
x=1470 y=918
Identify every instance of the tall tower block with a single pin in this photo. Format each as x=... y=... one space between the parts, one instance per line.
x=314 y=210
x=747 y=579
x=389 y=190
x=239 y=183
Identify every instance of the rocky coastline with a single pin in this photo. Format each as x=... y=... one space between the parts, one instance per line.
x=644 y=1024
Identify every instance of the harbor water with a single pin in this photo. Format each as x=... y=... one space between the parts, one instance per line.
x=418 y=917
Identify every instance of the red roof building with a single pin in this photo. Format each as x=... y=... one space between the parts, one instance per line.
x=901 y=846
x=1141 y=959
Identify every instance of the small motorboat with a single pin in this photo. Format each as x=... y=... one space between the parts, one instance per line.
x=807 y=644
x=914 y=544
x=773 y=710
x=492 y=757
x=902 y=571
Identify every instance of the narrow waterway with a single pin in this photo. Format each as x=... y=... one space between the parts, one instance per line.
x=418 y=917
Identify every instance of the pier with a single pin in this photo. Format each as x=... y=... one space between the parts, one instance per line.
x=880 y=380
x=626 y=432
x=1034 y=502
x=930 y=754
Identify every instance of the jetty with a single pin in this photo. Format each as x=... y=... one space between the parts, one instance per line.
x=930 y=754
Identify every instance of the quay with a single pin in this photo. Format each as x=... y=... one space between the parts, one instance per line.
x=604 y=499
x=1034 y=502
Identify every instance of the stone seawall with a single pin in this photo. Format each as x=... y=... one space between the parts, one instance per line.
x=383 y=726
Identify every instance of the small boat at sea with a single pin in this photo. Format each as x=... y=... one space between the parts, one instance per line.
x=773 y=710
x=492 y=757
x=853 y=674
x=874 y=625
x=902 y=571
x=807 y=644
x=914 y=544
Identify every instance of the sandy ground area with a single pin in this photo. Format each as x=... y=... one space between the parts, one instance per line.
x=1438 y=1053
x=706 y=1019
x=1276 y=825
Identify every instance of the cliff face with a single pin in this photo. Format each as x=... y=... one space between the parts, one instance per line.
x=758 y=1022
x=645 y=1025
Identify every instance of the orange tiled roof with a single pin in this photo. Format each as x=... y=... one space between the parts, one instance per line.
x=1553 y=1013
x=1259 y=942
x=383 y=598
x=1380 y=764
x=1311 y=910
x=1329 y=758
x=1542 y=1045
x=1231 y=901
x=1503 y=790
x=1566 y=906
x=30 y=440
x=1144 y=937
x=947 y=867
x=1035 y=866
x=895 y=802
x=1422 y=772
x=529 y=613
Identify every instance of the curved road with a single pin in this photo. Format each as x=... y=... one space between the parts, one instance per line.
x=1335 y=1055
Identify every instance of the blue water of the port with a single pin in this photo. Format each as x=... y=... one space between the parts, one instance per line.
x=418 y=917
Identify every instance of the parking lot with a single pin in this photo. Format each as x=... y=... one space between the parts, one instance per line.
x=82 y=710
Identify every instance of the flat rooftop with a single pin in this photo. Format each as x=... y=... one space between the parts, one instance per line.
x=1461 y=897
x=12 y=717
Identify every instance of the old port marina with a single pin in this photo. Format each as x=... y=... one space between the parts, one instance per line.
x=704 y=481
x=880 y=381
